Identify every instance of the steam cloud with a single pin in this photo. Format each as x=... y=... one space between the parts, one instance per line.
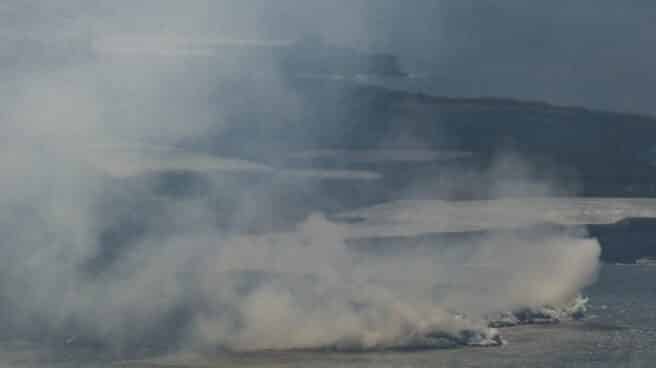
x=68 y=272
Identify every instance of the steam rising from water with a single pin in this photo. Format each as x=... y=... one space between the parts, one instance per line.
x=92 y=257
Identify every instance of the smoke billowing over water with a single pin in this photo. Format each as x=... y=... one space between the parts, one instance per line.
x=92 y=250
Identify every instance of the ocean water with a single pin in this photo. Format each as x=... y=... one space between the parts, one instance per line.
x=619 y=331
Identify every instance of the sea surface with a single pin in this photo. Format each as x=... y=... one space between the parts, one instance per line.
x=619 y=331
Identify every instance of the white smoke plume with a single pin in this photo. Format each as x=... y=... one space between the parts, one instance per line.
x=91 y=255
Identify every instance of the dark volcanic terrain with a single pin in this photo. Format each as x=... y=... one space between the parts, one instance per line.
x=472 y=144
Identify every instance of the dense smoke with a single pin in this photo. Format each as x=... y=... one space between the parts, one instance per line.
x=93 y=249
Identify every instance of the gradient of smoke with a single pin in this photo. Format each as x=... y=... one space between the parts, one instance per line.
x=87 y=256
x=491 y=260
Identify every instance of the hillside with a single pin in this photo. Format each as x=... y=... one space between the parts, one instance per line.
x=590 y=152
